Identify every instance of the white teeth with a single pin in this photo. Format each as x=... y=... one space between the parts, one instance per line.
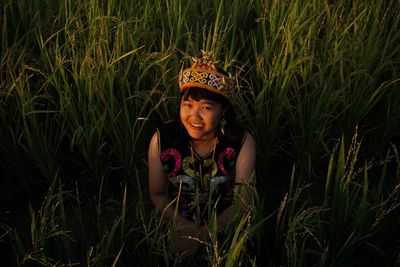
x=197 y=125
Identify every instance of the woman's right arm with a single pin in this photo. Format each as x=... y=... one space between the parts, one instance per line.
x=157 y=187
x=157 y=177
x=158 y=184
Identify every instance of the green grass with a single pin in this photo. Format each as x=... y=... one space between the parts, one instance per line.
x=84 y=84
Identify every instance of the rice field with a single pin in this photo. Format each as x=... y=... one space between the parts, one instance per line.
x=84 y=84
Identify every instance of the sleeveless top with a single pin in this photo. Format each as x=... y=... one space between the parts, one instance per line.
x=199 y=185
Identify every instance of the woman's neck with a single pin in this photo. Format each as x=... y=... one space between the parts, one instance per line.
x=203 y=147
x=203 y=141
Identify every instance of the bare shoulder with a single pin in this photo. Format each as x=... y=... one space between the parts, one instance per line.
x=249 y=139
x=157 y=179
x=249 y=144
x=154 y=153
x=154 y=144
x=246 y=160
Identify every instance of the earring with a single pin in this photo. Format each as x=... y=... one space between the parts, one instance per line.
x=222 y=125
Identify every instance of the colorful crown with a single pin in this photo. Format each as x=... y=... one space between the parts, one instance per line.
x=203 y=74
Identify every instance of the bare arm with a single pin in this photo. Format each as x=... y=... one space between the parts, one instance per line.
x=157 y=187
x=245 y=176
x=158 y=184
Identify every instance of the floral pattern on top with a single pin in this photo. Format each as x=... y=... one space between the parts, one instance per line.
x=166 y=155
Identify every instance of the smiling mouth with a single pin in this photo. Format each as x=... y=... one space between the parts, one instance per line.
x=194 y=125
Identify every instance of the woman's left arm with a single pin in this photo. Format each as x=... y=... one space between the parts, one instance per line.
x=246 y=160
x=245 y=175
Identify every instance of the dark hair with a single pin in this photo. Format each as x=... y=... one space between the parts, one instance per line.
x=232 y=129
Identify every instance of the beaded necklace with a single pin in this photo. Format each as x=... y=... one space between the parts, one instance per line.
x=206 y=162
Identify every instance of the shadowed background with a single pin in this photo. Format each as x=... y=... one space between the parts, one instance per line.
x=83 y=84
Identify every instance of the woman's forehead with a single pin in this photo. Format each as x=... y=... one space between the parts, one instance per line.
x=202 y=101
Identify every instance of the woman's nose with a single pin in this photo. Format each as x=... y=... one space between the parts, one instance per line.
x=196 y=114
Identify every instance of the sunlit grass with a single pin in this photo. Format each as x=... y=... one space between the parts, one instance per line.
x=84 y=84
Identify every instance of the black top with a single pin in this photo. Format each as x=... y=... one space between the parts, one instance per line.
x=202 y=182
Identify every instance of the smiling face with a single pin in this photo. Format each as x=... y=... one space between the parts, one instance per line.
x=200 y=117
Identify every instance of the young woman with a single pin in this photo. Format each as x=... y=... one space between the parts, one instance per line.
x=202 y=163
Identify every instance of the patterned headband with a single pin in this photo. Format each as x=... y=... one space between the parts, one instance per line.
x=203 y=74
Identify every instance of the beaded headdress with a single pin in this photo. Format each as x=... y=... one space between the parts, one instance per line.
x=204 y=74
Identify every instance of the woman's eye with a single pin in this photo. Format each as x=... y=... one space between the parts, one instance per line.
x=207 y=107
